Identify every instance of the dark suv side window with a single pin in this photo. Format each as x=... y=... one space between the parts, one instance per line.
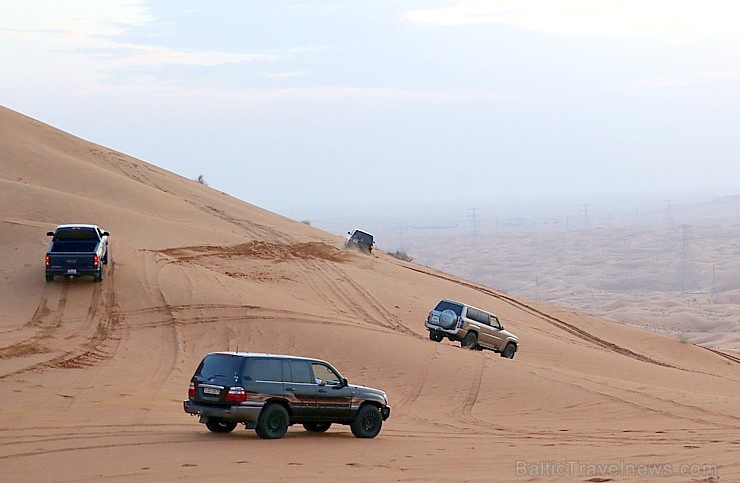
x=298 y=371
x=264 y=370
x=445 y=305
x=320 y=371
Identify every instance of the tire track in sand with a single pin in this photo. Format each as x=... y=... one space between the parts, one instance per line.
x=386 y=317
x=95 y=330
x=167 y=344
x=474 y=390
x=44 y=322
x=357 y=300
x=256 y=230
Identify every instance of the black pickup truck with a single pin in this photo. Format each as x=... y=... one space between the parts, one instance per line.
x=77 y=250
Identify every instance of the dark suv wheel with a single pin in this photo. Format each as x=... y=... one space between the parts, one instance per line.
x=317 y=427
x=273 y=422
x=220 y=426
x=368 y=422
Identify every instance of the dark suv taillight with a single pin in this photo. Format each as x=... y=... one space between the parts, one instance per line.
x=48 y=260
x=191 y=391
x=96 y=261
x=236 y=394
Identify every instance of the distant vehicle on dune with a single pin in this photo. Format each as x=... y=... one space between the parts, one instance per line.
x=77 y=250
x=360 y=240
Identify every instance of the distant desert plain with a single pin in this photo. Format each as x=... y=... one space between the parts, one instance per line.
x=94 y=374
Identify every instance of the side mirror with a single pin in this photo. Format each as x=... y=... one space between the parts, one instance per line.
x=344 y=382
x=105 y=233
x=49 y=233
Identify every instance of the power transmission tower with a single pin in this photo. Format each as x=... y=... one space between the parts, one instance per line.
x=668 y=212
x=586 y=220
x=473 y=213
x=685 y=229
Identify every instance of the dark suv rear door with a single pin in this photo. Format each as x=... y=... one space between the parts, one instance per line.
x=215 y=375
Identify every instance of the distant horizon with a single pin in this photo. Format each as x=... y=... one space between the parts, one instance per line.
x=534 y=208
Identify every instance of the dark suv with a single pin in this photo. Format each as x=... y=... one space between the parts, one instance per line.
x=360 y=240
x=269 y=392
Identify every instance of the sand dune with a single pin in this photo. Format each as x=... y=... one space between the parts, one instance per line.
x=94 y=374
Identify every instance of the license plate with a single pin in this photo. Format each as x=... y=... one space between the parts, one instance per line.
x=211 y=390
x=72 y=271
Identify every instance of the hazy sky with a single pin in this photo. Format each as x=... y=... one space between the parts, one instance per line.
x=297 y=105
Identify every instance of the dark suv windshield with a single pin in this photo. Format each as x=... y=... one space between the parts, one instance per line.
x=445 y=305
x=220 y=366
x=363 y=237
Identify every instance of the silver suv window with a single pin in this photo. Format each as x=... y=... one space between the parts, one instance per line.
x=478 y=316
x=445 y=305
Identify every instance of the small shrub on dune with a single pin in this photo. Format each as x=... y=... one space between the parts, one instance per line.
x=401 y=255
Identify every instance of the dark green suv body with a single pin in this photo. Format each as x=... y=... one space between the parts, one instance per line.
x=269 y=392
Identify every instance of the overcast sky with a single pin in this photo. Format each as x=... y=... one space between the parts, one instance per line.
x=301 y=105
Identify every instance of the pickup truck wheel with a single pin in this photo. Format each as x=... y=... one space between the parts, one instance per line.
x=317 y=427
x=273 y=422
x=470 y=340
x=216 y=425
x=367 y=422
x=509 y=351
x=99 y=276
x=49 y=277
x=435 y=336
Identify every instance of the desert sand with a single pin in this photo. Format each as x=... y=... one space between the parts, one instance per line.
x=93 y=374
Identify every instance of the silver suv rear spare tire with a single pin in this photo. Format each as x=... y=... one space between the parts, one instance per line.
x=447 y=319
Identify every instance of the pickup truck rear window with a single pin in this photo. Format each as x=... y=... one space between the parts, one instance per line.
x=76 y=234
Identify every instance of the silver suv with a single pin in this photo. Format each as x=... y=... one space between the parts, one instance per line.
x=473 y=327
